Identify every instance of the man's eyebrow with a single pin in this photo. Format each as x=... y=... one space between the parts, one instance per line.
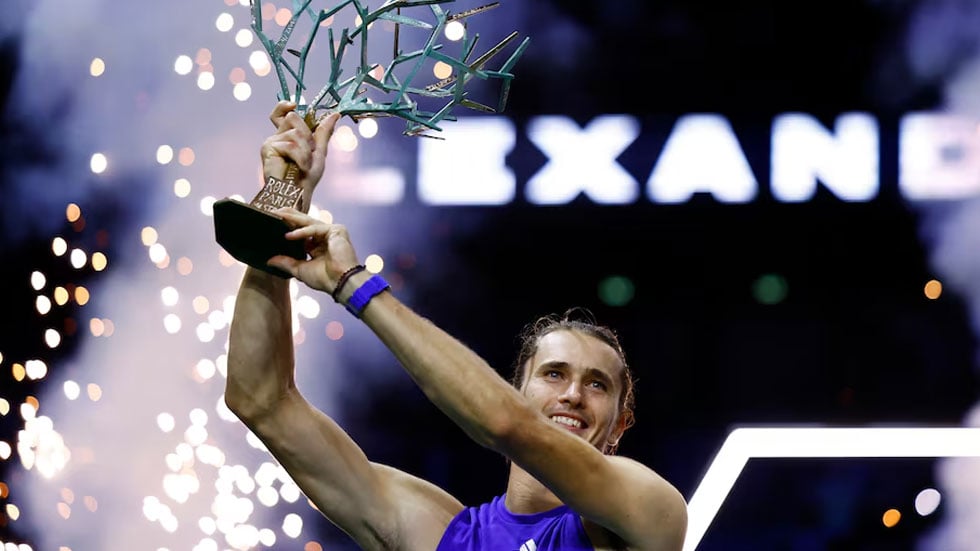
x=553 y=364
x=599 y=374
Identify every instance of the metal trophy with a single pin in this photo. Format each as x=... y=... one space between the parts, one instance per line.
x=252 y=232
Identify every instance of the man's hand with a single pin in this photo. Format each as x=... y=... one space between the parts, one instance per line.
x=295 y=142
x=331 y=252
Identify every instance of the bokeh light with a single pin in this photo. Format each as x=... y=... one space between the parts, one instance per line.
x=891 y=517
x=616 y=290
x=770 y=289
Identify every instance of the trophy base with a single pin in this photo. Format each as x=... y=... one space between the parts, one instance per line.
x=253 y=236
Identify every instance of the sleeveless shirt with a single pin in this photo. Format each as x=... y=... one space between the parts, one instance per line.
x=491 y=527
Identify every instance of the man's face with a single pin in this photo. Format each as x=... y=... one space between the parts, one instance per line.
x=576 y=381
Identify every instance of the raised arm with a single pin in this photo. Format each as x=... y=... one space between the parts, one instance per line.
x=619 y=494
x=370 y=502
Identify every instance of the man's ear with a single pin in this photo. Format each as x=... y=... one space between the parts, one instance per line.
x=612 y=442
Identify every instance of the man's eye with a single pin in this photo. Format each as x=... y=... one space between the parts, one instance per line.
x=599 y=385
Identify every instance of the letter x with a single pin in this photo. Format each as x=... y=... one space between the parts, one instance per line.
x=582 y=160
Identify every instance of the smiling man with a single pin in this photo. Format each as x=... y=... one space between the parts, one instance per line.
x=558 y=425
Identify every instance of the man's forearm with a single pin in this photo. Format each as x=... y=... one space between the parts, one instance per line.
x=260 y=351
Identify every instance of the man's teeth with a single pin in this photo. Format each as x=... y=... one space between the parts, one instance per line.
x=562 y=420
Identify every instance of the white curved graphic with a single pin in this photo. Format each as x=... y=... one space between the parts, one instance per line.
x=743 y=444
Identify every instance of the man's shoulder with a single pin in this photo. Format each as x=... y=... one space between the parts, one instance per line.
x=424 y=510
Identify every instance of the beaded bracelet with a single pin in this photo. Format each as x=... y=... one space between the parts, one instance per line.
x=363 y=295
x=343 y=281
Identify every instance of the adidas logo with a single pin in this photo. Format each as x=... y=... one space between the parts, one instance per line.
x=529 y=545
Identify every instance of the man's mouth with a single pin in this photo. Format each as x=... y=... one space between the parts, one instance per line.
x=567 y=421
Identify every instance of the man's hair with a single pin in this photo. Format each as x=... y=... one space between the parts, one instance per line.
x=581 y=320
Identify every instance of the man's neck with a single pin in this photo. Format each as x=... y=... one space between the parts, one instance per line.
x=525 y=495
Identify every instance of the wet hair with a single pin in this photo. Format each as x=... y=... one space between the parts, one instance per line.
x=581 y=320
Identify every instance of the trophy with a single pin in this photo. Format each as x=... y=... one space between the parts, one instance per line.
x=252 y=232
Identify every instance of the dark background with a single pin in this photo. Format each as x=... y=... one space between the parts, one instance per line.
x=854 y=342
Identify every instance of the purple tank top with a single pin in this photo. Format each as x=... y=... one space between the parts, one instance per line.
x=491 y=527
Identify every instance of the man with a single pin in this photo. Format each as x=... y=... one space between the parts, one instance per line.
x=572 y=405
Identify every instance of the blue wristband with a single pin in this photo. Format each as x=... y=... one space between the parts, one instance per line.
x=363 y=295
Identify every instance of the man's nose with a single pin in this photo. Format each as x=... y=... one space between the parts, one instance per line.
x=572 y=393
